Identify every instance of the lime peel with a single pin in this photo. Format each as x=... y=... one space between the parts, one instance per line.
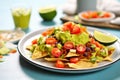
x=48 y=13
x=104 y=38
x=47 y=9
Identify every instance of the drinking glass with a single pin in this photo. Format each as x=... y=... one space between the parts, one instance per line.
x=21 y=17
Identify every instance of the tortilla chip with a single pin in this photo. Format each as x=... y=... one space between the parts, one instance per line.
x=29 y=47
x=55 y=59
x=99 y=59
x=38 y=54
x=70 y=54
x=82 y=64
x=108 y=59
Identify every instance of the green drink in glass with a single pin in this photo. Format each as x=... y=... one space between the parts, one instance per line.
x=21 y=17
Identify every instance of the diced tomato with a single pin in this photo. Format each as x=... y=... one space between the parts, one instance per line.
x=106 y=15
x=45 y=33
x=75 y=30
x=93 y=14
x=81 y=48
x=68 y=26
x=51 y=41
x=13 y=51
x=83 y=29
x=65 y=28
x=98 y=44
x=34 y=41
x=56 y=52
x=85 y=15
x=90 y=14
x=92 y=40
x=74 y=60
x=1 y=56
x=48 y=32
x=68 y=45
x=60 y=64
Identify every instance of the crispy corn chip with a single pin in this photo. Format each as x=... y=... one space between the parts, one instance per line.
x=55 y=59
x=29 y=47
x=38 y=54
x=82 y=64
x=70 y=54
x=108 y=59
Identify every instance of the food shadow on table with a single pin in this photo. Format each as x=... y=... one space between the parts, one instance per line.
x=37 y=73
x=48 y=23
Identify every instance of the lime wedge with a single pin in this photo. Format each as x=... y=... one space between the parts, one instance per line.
x=104 y=38
x=48 y=13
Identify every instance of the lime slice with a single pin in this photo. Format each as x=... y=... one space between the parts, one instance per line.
x=48 y=13
x=104 y=38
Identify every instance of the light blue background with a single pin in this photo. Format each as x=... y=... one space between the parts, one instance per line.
x=16 y=68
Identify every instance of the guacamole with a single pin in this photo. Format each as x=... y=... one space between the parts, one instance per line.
x=82 y=38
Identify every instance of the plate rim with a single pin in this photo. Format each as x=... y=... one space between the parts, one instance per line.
x=65 y=70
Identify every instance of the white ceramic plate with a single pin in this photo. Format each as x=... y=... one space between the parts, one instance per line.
x=26 y=40
x=97 y=19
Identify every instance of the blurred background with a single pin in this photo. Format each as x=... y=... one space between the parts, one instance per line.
x=6 y=20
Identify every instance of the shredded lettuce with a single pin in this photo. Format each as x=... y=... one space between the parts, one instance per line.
x=42 y=47
x=59 y=46
x=40 y=40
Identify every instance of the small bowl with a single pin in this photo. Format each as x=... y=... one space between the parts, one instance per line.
x=12 y=36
